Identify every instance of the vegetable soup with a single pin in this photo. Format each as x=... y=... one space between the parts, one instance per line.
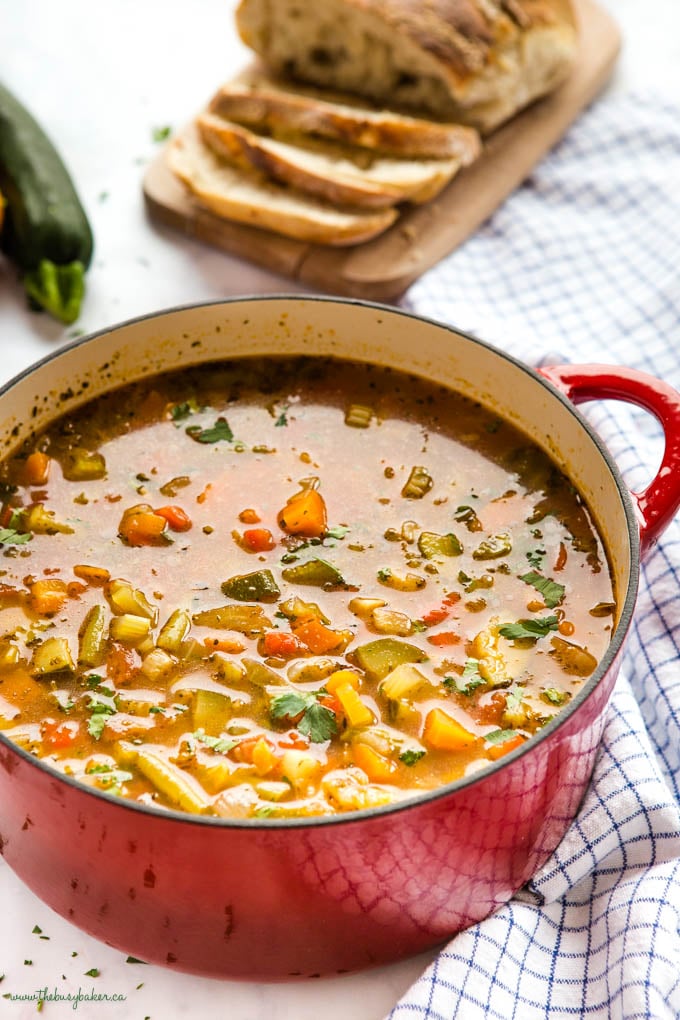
x=288 y=588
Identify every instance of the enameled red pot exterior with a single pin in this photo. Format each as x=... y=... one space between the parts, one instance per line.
x=271 y=902
x=271 y=899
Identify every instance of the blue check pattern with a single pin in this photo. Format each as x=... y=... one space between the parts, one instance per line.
x=583 y=264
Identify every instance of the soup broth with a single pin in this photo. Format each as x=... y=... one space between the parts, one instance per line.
x=289 y=588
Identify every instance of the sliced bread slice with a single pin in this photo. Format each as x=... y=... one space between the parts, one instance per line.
x=337 y=173
x=245 y=197
x=259 y=100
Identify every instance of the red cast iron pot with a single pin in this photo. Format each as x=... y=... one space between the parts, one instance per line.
x=275 y=899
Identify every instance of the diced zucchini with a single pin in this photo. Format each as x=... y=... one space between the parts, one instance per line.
x=211 y=711
x=389 y=621
x=174 y=631
x=380 y=657
x=260 y=675
x=258 y=586
x=430 y=545
x=52 y=656
x=493 y=547
x=81 y=465
x=244 y=619
x=92 y=637
x=129 y=630
x=316 y=572
x=298 y=611
x=419 y=482
x=41 y=521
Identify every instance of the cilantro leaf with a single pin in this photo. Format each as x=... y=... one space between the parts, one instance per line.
x=552 y=592
x=180 y=411
x=535 y=557
x=410 y=757
x=96 y=724
x=529 y=629
x=10 y=536
x=317 y=722
x=500 y=736
x=219 y=432
x=470 y=679
x=555 y=696
x=281 y=420
x=220 y=745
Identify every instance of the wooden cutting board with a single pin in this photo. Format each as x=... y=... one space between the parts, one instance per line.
x=383 y=268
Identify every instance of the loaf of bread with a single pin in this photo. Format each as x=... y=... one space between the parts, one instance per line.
x=247 y=197
x=265 y=102
x=473 y=61
x=336 y=173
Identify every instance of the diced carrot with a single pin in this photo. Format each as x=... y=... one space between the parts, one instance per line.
x=75 y=589
x=445 y=638
x=36 y=468
x=202 y=496
x=249 y=516
x=59 y=734
x=561 y=560
x=48 y=596
x=451 y=598
x=342 y=676
x=144 y=528
x=264 y=758
x=445 y=733
x=258 y=539
x=244 y=750
x=304 y=514
x=230 y=645
x=318 y=637
x=496 y=751
x=177 y=518
x=281 y=645
x=92 y=575
x=378 y=768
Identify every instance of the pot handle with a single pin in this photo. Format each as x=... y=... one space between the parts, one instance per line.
x=658 y=503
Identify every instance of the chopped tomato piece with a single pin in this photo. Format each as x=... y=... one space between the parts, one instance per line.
x=561 y=560
x=59 y=734
x=293 y=740
x=258 y=539
x=121 y=664
x=445 y=638
x=281 y=645
x=249 y=516
x=435 y=616
x=175 y=516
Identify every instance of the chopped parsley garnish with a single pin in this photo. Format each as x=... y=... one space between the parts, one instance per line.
x=384 y=574
x=220 y=745
x=92 y=972
x=317 y=722
x=133 y=959
x=499 y=736
x=552 y=592
x=470 y=679
x=337 y=531
x=529 y=629
x=102 y=703
x=281 y=420
x=535 y=557
x=10 y=536
x=555 y=696
x=410 y=757
x=36 y=930
x=219 y=432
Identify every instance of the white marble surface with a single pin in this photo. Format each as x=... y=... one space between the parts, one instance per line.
x=101 y=77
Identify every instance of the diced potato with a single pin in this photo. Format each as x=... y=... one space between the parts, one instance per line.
x=300 y=769
x=349 y=790
x=389 y=621
x=363 y=607
x=269 y=789
x=156 y=664
x=403 y=682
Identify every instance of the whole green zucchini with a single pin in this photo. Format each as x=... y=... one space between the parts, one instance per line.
x=46 y=232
